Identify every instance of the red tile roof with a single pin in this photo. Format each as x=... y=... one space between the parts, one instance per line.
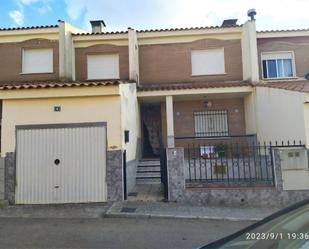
x=56 y=84
x=282 y=30
x=292 y=85
x=32 y=27
x=191 y=85
x=101 y=33
x=191 y=28
x=159 y=30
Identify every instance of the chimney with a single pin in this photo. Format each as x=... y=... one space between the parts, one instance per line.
x=251 y=13
x=229 y=23
x=97 y=26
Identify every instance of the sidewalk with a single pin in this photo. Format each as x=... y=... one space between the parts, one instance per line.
x=69 y=211
x=136 y=209
x=175 y=210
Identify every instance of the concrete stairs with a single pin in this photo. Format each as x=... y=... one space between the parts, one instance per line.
x=148 y=171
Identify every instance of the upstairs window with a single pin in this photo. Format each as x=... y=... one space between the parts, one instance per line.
x=278 y=65
x=212 y=123
x=207 y=62
x=37 y=61
x=103 y=66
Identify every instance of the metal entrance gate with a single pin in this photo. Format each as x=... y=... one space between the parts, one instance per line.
x=164 y=175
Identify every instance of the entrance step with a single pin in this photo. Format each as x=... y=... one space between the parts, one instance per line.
x=148 y=180
x=149 y=162
x=148 y=172
x=148 y=168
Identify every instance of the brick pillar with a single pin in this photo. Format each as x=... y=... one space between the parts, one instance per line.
x=175 y=173
x=277 y=169
x=114 y=175
x=10 y=176
x=2 y=179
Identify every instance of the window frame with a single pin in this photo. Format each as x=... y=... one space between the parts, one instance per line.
x=208 y=49
x=102 y=54
x=276 y=53
x=214 y=133
x=37 y=48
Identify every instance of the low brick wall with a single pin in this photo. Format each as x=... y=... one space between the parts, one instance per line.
x=254 y=196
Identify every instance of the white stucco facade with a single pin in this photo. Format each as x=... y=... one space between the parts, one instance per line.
x=130 y=119
x=277 y=115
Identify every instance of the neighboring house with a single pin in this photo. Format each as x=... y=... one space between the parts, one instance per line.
x=96 y=103
x=40 y=97
x=283 y=91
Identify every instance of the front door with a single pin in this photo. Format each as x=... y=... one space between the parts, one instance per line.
x=151 y=130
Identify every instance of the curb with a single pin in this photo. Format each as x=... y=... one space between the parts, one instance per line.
x=170 y=216
x=111 y=214
x=55 y=212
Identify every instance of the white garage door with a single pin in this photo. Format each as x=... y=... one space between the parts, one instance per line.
x=62 y=163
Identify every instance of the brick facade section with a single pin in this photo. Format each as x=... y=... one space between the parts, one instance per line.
x=11 y=61
x=184 y=120
x=168 y=63
x=300 y=46
x=81 y=59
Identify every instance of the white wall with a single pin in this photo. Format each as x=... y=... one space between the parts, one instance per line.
x=133 y=55
x=249 y=52
x=130 y=118
x=66 y=50
x=306 y=118
x=279 y=115
x=73 y=110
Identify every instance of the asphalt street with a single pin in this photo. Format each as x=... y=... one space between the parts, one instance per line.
x=135 y=233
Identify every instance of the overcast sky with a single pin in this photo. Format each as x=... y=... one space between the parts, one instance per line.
x=145 y=14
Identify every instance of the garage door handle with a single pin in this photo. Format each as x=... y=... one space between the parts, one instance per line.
x=56 y=186
x=57 y=161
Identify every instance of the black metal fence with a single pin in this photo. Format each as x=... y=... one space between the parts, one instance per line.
x=212 y=141
x=232 y=164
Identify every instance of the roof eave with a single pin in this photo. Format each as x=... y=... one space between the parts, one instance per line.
x=185 y=32
x=282 y=33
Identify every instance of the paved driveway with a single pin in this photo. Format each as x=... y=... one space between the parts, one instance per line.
x=112 y=232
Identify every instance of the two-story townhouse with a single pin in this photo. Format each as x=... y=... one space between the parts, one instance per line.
x=191 y=85
x=65 y=122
